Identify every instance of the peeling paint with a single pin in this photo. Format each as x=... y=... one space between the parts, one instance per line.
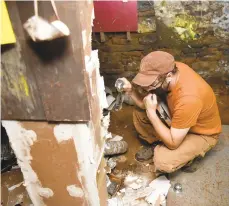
x=187 y=24
x=25 y=86
x=75 y=191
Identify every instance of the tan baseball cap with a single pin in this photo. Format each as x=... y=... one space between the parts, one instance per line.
x=153 y=65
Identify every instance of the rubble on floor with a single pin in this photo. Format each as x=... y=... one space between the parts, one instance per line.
x=13 y=192
x=139 y=191
x=135 y=185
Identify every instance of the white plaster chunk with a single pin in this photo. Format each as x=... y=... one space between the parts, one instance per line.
x=75 y=191
x=63 y=132
x=15 y=186
x=45 y=192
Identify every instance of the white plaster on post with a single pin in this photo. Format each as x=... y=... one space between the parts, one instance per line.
x=46 y=192
x=63 y=132
x=83 y=140
x=100 y=81
x=21 y=140
x=75 y=191
x=92 y=17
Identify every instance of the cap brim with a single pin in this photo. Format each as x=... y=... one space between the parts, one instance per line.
x=144 y=80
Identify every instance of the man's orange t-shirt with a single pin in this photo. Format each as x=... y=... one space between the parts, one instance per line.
x=192 y=103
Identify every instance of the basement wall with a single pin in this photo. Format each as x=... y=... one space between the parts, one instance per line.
x=196 y=33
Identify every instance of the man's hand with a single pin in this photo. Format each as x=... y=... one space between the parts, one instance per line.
x=127 y=87
x=151 y=105
x=150 y=102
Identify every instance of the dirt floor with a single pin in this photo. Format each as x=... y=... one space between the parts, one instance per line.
x=13 y=192
x=122 y=124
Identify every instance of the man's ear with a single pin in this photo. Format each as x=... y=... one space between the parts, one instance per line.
x=169 y=77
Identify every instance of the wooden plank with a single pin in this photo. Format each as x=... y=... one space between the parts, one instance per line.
x=54 y=70
x=20 y=96
x=58 y=65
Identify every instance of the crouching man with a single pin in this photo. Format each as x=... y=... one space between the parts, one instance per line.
x=195 y=122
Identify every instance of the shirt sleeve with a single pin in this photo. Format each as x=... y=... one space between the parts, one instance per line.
x=186 y=112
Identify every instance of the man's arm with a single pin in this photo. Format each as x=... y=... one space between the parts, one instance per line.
x=172 y=137
x=138 y=101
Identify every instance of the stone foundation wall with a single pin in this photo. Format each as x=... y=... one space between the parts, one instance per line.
x=196 y=33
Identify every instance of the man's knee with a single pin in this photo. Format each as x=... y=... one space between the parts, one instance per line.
x=164 y=161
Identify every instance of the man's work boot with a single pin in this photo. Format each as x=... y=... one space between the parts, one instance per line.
x=146 y=152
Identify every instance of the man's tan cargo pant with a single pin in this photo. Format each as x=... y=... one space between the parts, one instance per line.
x=167 y=160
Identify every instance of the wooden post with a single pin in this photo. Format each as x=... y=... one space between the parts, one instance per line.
x=61 y=161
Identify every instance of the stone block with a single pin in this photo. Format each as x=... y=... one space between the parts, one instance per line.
x=115 y=68
x=109 y=57
x=191 y=50
x=148 y=39
x=123 y=48
x=120 y=41
x=212 y=56
x=206 y=68
x=146 y=13
x=174 y=52
x=204 y=41
x=188 y=60
x=133 y=53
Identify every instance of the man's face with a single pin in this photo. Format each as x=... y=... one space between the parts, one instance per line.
x=156 y=87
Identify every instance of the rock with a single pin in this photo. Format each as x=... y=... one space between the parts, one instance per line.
x=146 y=24
x=226 y=51
x=113 y=188
x=132 y=66
x=148 y=39
x=111 y=163
x=145 y=6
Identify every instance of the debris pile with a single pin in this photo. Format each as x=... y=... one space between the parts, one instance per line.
x=138 y=191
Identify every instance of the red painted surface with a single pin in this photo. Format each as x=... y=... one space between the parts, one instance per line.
x=115 y=16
